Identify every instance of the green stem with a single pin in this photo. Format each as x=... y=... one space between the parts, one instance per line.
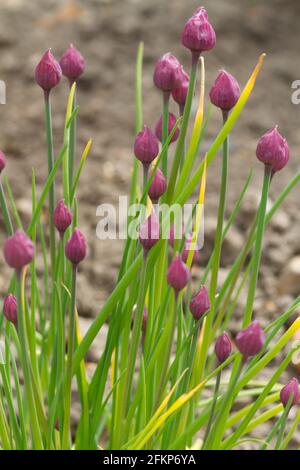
x=258 y=246
x=48 y=120
x=72 y=144
x=136 y=333
x=282 y=427
x=36 y=433
x=5 y=211
x=216 y=253
x=213 y=408
x=181 y=139
x=68 y=382
x=215 y=439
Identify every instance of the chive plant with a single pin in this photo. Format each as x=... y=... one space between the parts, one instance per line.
x=159 y=380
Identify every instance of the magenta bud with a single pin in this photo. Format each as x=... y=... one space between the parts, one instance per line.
x=62 y=217
x=223 y=347
x=167 y=73
x=171 y=124
x=200 y=303
x=198 y=35
x=72 y=63
x=158 y=186
x=250 y=340
x=2 y=161
x=10 y=308
x=187 y=248
x=272 y=149
x=146 y=146
x=225 y=91
x=180 y=93
x=149 y=232
x=48 y=72
x=18 y=250
x=290 y=392
x=178 y=274
x=76 y=247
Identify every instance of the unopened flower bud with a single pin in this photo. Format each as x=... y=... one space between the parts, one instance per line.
x=198 y=35
x=18 y=250
x=76 y=247
x=179 y=94
x=223 y=347
x=149 y=232
x=250 y=340
x=72 y=63
x=146 y=146
x=171 y=124
x=290 y=393
x=48 y=72
x=62 y=217
x=200 y=303
x=158 y=186
x=272 y=149
x=167 y=73
x=225 y=91
x=10 y=308
x=178 y=274
x=2 y=161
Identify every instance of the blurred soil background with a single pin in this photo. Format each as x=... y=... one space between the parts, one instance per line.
x=107 y=32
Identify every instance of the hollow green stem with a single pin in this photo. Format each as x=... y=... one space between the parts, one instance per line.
x=49 y=138
x=213 y=409
x=181 y=139
x=136 y=333
x=72 y=144
x=68 y=382
x=24 y=348
x=258 y=246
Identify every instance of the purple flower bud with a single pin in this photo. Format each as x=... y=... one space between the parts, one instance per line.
x=62 y=217
x=180 y=93
x=186 y=251
x=200 y=303
x=72 y=63
x=149 y=232
x=272 y=149
x=250 y=340
x=2 y=161
x=167 y=73
x=18 y=250
x=225 y=91
x=158 y=186
x=290 y=392
x=76 y=247
x=171 y=124
x=198 y=35
x=10 y=308
x=223 y=347
x=146 y=146
x=48 y=72
x=178 y=274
